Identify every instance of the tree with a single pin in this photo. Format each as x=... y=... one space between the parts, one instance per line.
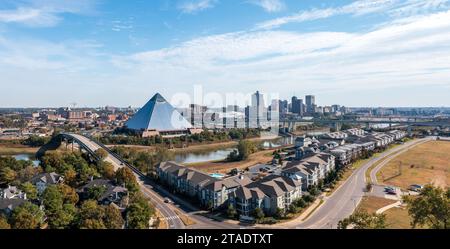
x=64 y=217
x=101 y=153
x=96 y=191
x=363 y=220
x=279 y=213
x=246 y=148
x=126 y=176
x=107 y=170
x=27 y=216
x=299 y=203
x=430 y=208
x=258 y=213
x=139 y=212
x=231 y=212
x=113 y=218
x=91 y=215
x=68 y=193
x=30 y=190
x=4 y=223
x=7 y=175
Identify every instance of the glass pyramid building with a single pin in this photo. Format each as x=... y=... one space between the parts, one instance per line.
x=158 y=115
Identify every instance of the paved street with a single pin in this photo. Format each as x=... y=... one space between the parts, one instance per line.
x=346 y=198
x=336 y=207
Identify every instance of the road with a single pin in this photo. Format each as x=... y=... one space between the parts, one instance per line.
x=346 y=198
x=174 y=222
x=336 y=207
x=158 y=194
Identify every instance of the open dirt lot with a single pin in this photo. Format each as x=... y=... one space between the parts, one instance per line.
x=428 y=163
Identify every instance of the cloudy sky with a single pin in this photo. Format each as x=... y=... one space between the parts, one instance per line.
x=112 y=52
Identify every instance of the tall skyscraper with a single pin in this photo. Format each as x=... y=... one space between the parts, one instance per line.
x=257 y=108
x=310 y=103
x=297 y=106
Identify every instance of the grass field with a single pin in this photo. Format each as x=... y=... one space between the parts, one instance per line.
x=398 y=218
x=372 y=203
x=427 y=163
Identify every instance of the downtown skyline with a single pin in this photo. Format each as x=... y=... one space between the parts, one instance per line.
x=96 y=53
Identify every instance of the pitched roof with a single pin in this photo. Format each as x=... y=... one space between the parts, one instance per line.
x=158 y=114
x=10 y=203
x=49 y=178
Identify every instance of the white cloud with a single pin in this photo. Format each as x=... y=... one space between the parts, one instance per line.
x=398 y=55
x=44 y=13
x=270 y=5
x=194 y=6
x=396 y=8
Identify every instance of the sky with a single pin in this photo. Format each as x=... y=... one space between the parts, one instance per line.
x=112 y=52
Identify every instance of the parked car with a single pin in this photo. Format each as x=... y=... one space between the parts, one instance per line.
x=416 y=187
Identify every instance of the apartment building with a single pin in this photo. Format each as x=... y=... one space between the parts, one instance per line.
x=310 y=170
x=270 y=194
x=209 y=191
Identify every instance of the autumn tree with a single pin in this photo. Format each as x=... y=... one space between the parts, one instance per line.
x=27 y=216
x=101 y=153
x=113 y=218
x=126 y=176
x=91 y=215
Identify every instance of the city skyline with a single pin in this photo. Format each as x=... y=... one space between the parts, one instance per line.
x=353 y=53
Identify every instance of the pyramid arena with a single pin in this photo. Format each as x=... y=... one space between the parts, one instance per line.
x=159 y=118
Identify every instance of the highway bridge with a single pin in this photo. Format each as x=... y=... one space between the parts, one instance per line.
x=90 y=146
x=148 y=187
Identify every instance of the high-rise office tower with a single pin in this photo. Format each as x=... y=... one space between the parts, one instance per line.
x=310 y=103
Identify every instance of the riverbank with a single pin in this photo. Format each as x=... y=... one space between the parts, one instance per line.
x=15 y=149
x=224 y=167
x=200 y=148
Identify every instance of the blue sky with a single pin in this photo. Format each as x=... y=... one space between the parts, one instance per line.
x=114 y=52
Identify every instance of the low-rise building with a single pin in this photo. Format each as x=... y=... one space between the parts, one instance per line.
x=108 y=193
x=43 y=180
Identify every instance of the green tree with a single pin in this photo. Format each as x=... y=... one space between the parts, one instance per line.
x=64 y=217
x=7 y=175
x=431 y=208
x=113 y=218
x=95 y=192
x=258 y=213
x=363 y=220
x=30 y=190
x=231 y=212
x=139 y=212
x=246 y=148
x=27 y=216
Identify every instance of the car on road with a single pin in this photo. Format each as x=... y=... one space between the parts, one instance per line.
x=389 y=188
x=416 y=187
x=167 y=200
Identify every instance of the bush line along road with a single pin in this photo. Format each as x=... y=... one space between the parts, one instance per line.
x=336 y=207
